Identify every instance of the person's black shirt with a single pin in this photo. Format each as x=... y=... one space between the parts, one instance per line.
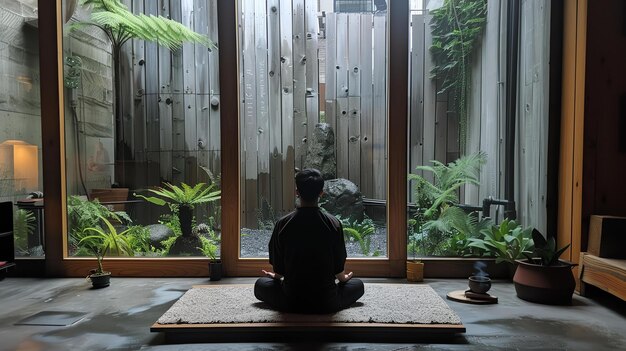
x=307 y=247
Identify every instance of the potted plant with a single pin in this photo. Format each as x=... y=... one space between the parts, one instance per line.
x=542 y=277
x=209 y=249
x=100 y=242
x=414 y=267
x=181 y=201
x=507 y=242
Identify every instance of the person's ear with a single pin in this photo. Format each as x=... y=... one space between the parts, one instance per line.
x=321 y=193
x=297 y=193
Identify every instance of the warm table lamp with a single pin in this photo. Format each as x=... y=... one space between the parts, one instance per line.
x=19 y=162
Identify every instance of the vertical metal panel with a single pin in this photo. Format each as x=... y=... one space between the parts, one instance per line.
x=380 y=107
x=531 y=126
x=139 y=88
x=354 y=53
x=418 y=76
x=274 y=103
x=342 y=137
x=354 y=140
x=202 y=123
x=489 y=106
x=262 y=101
x=441 y=131
x=214 y=62
x=430 y=99
x=501 y=95
x=472 y=143
x=331 y=56
x=312 y=66
x=299 y=83
x=341 y=61
x=367 y=168
x=287 y=106
x=165 y=109
x=214 y=142
x=201 y=18
x=151 y=90
x=249 y=114
x=330 y=84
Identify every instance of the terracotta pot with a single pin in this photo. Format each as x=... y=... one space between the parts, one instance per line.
x=552 y=285
x=414 y=271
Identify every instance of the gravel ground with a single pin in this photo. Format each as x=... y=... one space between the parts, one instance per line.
x=254 y=243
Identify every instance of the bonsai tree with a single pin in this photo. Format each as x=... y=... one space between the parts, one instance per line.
x=100 y=242
x=181 y=201
x=120 y=25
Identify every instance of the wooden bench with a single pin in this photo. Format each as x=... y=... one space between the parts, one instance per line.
x=604 y=263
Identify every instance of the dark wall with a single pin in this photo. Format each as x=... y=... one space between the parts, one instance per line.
x=604 y=172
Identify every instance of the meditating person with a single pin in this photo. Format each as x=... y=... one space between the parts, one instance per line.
x=307 y=252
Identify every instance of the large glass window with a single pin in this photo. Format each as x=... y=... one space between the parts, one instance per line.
x=459 y=140
x=142 y=126
x=313 y=87
x=20 y=126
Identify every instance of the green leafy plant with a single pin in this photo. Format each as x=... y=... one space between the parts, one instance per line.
x=456 y=30
x=545 y=252
x=139 y=239
x=437 y=219
x=120 y=25
x=361 y=232
x=507 y=242
x=24 y=224
x=101 y=242
x=184 y=195
x=209 y=248
x=83 y=214
x=182 y=200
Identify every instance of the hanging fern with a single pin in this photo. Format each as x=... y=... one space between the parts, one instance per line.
x=456 y=29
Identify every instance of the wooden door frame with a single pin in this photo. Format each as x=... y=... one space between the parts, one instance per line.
x=392 y=266
x=569 y=219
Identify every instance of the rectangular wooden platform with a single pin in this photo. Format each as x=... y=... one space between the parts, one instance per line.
x=308 y=327
x=362 y=332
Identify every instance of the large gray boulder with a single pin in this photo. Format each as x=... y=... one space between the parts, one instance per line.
x=321 y=151
x=343 y=197
x=159 y=233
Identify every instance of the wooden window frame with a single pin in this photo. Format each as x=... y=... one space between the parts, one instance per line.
x=57 y=261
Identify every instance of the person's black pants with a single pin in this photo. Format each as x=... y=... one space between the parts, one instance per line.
x=271 y=292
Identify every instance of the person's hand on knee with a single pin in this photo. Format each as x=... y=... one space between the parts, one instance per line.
x=343 y=276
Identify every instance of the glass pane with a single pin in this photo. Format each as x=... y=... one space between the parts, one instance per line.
x=454 y=114
x=458 y=124
x=313 y=83
x=20 y=128
x=143 y=113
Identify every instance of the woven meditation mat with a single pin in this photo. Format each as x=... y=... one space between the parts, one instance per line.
x=382 y=303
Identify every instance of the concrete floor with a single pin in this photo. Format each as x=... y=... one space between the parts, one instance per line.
x=119 y=318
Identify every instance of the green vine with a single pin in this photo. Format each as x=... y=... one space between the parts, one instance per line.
x=456 y=29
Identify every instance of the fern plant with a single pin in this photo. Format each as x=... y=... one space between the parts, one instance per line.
x=101 y=241
x=361 y=232
x=24 y=224
x=436 y=215
x=120 y=25
x=182 y=199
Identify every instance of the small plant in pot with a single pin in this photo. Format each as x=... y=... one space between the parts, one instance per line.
x=209 y=249
x=507 y=242
x=542 y=277
x=101 y=242
x=181 y=201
